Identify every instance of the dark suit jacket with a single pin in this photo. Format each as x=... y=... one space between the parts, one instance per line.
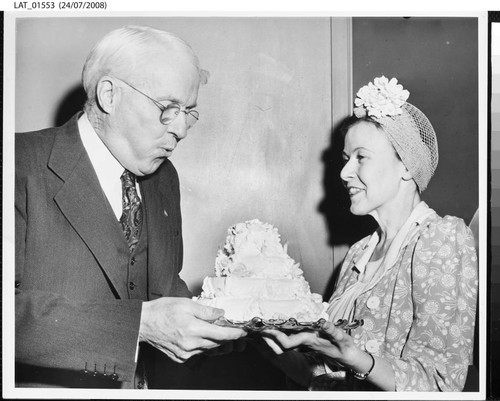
x=73 y=309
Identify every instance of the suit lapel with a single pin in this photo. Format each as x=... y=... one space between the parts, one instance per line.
x=83 y=203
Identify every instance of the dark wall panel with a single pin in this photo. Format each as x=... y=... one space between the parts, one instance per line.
x=436 y=59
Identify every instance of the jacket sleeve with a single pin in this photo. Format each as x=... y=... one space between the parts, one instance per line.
x=444 y=292
x=52 y=331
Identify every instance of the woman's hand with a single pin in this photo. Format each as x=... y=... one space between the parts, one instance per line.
x=330 y=341
x=339 y=346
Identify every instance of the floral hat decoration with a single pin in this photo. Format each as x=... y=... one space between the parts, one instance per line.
x=408 y=129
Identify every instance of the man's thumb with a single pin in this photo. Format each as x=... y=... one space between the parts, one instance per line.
x=208 y=313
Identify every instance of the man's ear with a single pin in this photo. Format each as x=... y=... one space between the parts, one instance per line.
x=106 y=94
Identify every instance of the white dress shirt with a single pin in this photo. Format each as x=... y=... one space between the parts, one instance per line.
x=107 y=168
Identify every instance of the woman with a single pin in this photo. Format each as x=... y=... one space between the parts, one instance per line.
x=413 y=281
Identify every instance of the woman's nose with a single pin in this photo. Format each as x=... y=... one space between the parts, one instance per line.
x=345 y=173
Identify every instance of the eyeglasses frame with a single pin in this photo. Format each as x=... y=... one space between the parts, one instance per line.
x=163 y=108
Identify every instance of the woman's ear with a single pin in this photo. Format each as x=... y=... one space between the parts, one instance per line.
x=106 y=94
x=407 y=176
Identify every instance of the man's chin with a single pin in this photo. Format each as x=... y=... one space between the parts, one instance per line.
x=150 y=169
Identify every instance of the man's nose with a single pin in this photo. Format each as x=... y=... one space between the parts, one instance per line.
x=179 y=127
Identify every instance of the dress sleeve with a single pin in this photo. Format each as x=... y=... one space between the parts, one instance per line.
x=443 y=283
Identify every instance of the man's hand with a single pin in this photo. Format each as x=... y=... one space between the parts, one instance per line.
x=181 y=328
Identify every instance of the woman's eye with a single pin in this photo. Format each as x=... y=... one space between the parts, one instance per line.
x=360 y=157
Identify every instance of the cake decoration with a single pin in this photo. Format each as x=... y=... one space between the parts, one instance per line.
x=256 y=278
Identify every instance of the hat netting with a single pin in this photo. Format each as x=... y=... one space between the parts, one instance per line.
x=414 y=139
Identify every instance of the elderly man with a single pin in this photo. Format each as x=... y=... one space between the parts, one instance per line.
x=98 y=224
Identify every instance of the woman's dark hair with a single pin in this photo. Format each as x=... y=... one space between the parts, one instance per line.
x=352 y=120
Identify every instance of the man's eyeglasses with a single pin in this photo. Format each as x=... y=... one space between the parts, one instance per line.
x=169 y=113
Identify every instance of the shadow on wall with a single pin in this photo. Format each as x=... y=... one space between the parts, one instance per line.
x=344 y=228
x=71 y=104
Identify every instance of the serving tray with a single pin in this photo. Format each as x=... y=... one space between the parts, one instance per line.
x=289 y=325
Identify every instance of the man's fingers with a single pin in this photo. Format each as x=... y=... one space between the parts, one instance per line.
x=181 y=328
x=224 y=348
x=207 y=313
x=240 y=345
x=216 y=333
x=187 y=348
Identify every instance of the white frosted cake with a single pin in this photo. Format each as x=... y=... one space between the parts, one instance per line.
x=255 y=277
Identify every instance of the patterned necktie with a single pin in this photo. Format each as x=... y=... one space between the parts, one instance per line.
x=131 y=219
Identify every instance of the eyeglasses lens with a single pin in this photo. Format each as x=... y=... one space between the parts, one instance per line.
x=172 y=111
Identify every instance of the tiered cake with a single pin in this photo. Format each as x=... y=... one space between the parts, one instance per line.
x=255 y=277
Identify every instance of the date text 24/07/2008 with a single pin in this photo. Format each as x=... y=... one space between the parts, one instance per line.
x=61 y=5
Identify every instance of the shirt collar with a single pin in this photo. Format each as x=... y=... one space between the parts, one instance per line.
x=107 y=168
x=100 y=156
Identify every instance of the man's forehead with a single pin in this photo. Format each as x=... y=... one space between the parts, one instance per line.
x=161 y=65
x=175 y=53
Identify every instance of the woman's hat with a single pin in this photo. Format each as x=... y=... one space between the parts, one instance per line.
x=408 y=129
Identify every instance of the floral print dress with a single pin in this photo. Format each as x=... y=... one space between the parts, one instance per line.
x=420 y=315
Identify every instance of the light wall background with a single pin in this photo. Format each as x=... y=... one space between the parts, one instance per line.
x=278 y=86
x=265 y=122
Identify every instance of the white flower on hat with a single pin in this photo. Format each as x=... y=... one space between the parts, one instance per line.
x=381 y=98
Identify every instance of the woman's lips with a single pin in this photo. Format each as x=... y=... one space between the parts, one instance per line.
x=352 y=191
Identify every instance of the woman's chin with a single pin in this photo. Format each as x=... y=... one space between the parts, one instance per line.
x=358 y=211
x=355 y=210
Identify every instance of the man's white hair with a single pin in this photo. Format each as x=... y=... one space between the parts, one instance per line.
x=121 y=50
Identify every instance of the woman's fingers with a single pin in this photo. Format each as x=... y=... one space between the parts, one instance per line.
x=333 y=332
x=273 y=345
x=292 y=340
